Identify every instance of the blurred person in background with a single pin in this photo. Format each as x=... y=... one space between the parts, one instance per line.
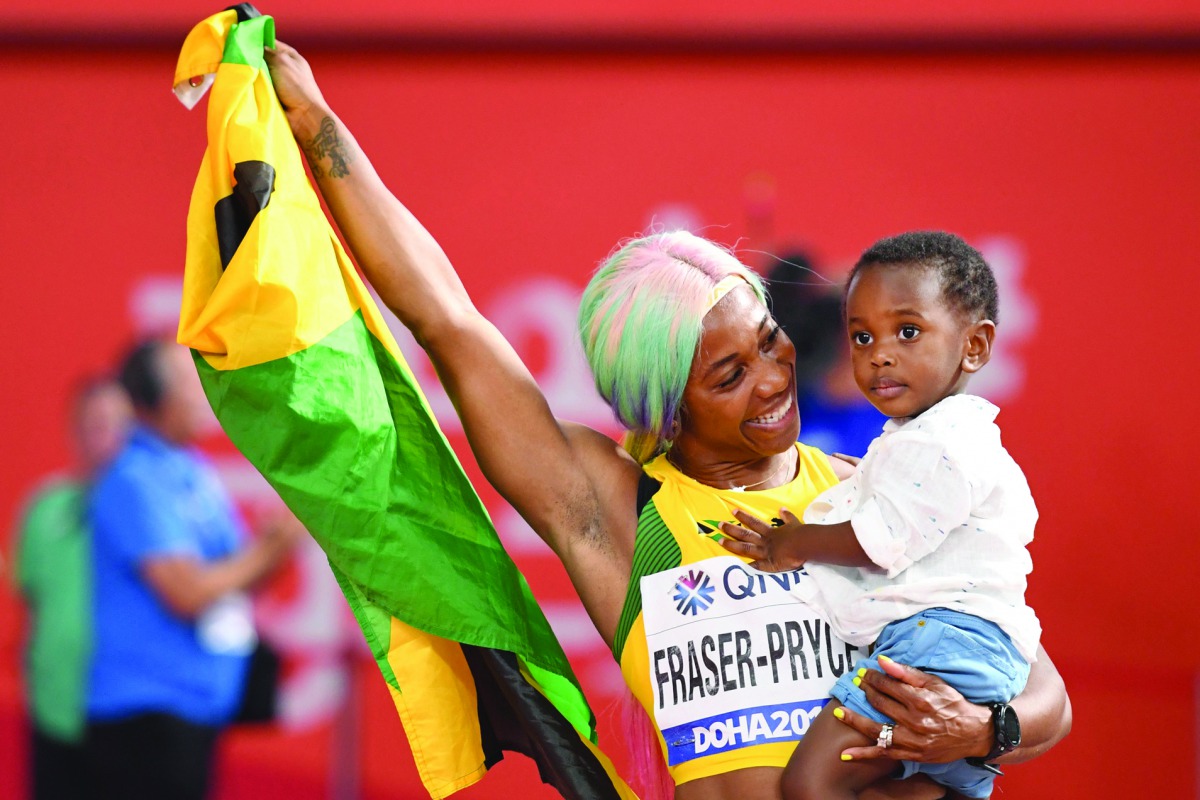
x=835 y=416
x=171 y=566
x=53 y=575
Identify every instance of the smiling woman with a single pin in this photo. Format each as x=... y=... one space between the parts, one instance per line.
x=641 y=319
x=692 y=363
x=741 y=399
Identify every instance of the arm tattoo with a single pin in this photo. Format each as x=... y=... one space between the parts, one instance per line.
x=327 y=144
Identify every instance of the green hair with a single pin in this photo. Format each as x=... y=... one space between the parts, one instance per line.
x=640 y=320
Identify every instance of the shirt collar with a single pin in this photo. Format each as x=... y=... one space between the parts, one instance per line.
x=955 y=406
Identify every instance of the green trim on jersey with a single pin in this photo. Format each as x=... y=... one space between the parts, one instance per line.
x=654 y=550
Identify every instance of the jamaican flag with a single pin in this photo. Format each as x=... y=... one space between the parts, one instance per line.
x=309 y=384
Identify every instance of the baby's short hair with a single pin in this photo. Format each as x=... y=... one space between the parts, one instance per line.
x=966 y=279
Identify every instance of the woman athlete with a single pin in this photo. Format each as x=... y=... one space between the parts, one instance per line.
x=684 y=350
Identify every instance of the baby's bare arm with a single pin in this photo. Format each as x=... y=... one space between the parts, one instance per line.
x=792 y=544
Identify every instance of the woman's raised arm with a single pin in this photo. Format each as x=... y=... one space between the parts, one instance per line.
x=403 y=262
x=521 y=448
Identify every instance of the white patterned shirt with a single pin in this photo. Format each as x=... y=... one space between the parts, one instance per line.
x=945 y=513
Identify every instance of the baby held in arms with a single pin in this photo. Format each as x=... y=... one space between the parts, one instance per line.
x=922 y=552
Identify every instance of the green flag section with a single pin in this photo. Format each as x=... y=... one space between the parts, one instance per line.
x=309 y=384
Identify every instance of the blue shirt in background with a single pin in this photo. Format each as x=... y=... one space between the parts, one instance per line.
x=157 y=499
x=838 y=427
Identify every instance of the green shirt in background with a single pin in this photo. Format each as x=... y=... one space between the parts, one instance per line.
x=54 y=574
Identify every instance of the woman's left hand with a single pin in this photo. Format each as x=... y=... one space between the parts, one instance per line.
x=933 y=722
x=293 y=80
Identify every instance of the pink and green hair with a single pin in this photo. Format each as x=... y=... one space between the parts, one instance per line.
x=640 y=320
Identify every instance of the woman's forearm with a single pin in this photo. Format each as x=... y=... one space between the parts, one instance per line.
x=1044 y=710
x=934 y=723
x=401 y=260
x=520 y=446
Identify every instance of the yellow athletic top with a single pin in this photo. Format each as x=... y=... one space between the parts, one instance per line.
x=722 y=662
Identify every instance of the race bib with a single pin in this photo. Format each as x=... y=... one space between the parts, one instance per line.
x=737 y=656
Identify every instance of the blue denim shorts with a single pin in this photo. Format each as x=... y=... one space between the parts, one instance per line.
x=971 y=654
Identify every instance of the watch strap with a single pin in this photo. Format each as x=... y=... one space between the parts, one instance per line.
x=1001 y=743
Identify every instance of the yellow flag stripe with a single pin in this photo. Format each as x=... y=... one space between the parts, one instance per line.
x=438 y=706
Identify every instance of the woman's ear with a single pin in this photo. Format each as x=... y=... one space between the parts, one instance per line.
x=677 y=423
x=979 y=345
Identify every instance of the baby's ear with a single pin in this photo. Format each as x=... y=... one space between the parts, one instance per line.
x=978 y=345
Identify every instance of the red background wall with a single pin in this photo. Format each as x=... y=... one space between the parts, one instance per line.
x=629 y=19
x=531 y=160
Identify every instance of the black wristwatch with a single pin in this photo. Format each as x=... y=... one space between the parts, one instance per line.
x=1006 y=736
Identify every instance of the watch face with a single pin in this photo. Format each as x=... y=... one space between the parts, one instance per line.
x=1008 y=727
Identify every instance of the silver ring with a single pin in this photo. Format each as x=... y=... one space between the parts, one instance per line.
x=885 y=736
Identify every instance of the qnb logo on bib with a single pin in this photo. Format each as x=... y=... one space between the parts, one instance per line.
x=693 y=593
